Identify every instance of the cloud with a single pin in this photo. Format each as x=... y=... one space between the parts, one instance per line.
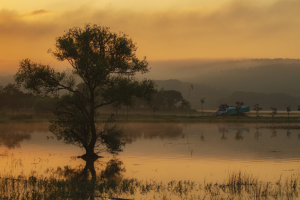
x=38 y=12
x=238 y=30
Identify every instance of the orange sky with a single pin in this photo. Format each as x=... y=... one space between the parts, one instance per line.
x=162 y=29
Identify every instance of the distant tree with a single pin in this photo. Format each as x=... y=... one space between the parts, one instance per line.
x=288 y=110
x=158 y=99
x=172 y=97
x=185 y=104
x=273 y=113
x=167 y=98
x=202 y=100
x=238 y=106
x=105 y=63
x=257 y=109
x=116 y=106
x=13 y=97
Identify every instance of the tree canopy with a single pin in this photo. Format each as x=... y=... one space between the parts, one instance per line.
x=105 y=64
x=167 y=98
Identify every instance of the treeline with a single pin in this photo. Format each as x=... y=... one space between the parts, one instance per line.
x=194 y=92
x=163 y=101
x=214 y=97
x=13 y=99
x=265 y=101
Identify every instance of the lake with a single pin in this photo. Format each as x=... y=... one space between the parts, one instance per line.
x=163 y=152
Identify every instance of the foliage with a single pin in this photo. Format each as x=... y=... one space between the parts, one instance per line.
x=274 y=112
x=105 y=63
x=257 y=109
x=288 y=110
x=167 y=98
x=238 y=106
x=13 y=98
x=202 y=100
x=43 y=104
x=185 y=104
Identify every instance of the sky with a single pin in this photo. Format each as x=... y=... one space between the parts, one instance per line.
x=162 y=29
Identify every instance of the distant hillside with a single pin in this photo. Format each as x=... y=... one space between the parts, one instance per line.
x=199 y=70
x=199 y=91
x=265 y=101
x=276 y=78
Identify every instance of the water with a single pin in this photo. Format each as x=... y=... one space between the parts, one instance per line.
x=165 y=151
x=201 y=152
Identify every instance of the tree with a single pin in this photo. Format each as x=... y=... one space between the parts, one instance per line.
x=257 y=109
x=172 y=97
x=202 y=100
x=273 y=113
x=167 y=98
x=238 y=106
x=288 y=110
x=185 y=104
x=105 y=63
x=13 y=97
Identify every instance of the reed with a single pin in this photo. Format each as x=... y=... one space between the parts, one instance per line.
x=238 y=186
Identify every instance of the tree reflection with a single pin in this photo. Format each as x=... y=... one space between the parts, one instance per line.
x=274 y=133
x=108 y=178
x=288 y=134
x=11 y=137
x=223 y=129
x=113 y=170
x=149 y=131
x=238 y=135
x=257 y=134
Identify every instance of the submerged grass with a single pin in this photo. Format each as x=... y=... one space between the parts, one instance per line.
x=238 y=186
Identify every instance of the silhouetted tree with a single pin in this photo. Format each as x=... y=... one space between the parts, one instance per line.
x=167 y=98
x=238 y=106
x=185 y=104
x=273 y=113
x=105 y=63
x=257 y=109
x=13 y=97
x=202 y=100
x=288 y=110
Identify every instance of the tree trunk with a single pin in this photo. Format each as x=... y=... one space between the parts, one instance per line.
x=90 y=151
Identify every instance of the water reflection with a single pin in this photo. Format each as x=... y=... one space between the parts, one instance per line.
x=257 y=134
x=223 y=129
x=288 y=134
x=114 y=170
x=134 y=131
x=12 y=134
x=274 y=133
x=231 y=128
x=198 y=151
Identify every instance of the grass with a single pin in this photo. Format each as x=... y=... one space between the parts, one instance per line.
x=238 y=186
